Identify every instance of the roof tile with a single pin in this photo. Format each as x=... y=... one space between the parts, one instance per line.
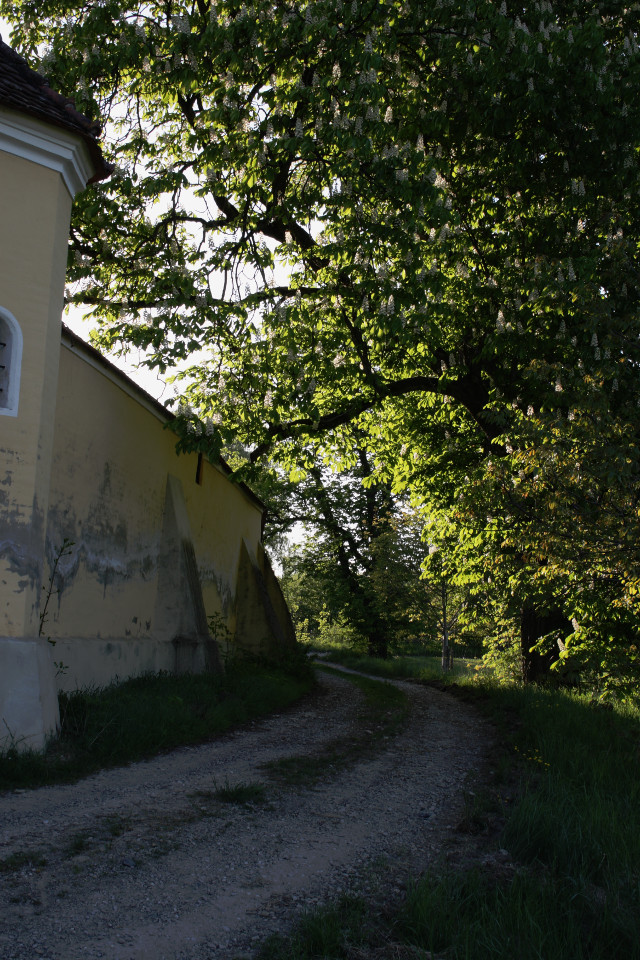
x=24 y=90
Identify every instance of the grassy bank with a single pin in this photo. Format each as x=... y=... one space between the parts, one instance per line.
x=567 y=792
x=147 y=715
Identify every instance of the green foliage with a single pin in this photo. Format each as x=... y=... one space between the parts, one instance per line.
x=147 y=715
x=356 y=578
x=413 y=224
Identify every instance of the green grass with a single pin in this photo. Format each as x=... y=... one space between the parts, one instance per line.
x=468 y=917
x=384 y=711
x=399 y=668
x=240 y=793
x=571 y=888
x=17 y=861
x=147 y=715
x=331 y=931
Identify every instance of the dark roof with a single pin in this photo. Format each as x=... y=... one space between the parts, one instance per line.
x=81 y=346
x=22 y=89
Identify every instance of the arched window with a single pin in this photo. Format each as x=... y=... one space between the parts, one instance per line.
x=10 y=362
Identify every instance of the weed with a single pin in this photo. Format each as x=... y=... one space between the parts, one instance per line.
x=78 y=843
x=117 y=825
x=16 y=861
x=307 y=769
x=240 y=793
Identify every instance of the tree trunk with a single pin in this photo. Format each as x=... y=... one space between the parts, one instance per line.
x=378 y=646
x=536 y=664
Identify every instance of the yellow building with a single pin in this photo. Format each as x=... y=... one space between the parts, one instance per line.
x=158 y=542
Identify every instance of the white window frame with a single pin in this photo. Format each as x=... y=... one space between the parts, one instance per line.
x=11 y=357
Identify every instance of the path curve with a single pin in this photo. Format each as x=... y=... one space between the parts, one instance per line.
x=141 y=863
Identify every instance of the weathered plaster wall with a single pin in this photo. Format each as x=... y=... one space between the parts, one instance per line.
x=154 y=552
x=34 y=212
x=35 y=207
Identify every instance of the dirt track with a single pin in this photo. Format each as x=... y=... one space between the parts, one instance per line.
x=141 y=863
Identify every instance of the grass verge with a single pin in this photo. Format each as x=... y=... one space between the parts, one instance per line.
x=399 y=668
x=558 y=880
x=148 y=715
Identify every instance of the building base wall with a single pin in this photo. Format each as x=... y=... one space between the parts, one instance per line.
x=92 y=662
x=28 y=693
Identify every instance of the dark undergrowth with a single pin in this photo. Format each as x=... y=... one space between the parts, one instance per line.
x=150 y=714
x=558 y=878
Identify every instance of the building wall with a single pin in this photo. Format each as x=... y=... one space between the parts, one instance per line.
x=85 y=456
x=154 y=552
x=34 y=213
x=35 y=207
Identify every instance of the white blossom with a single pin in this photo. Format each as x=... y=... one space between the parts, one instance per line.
x=182 y=24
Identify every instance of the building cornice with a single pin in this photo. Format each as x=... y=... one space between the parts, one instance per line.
x=44 y=144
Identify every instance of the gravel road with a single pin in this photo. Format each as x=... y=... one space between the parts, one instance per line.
x=143 y=863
